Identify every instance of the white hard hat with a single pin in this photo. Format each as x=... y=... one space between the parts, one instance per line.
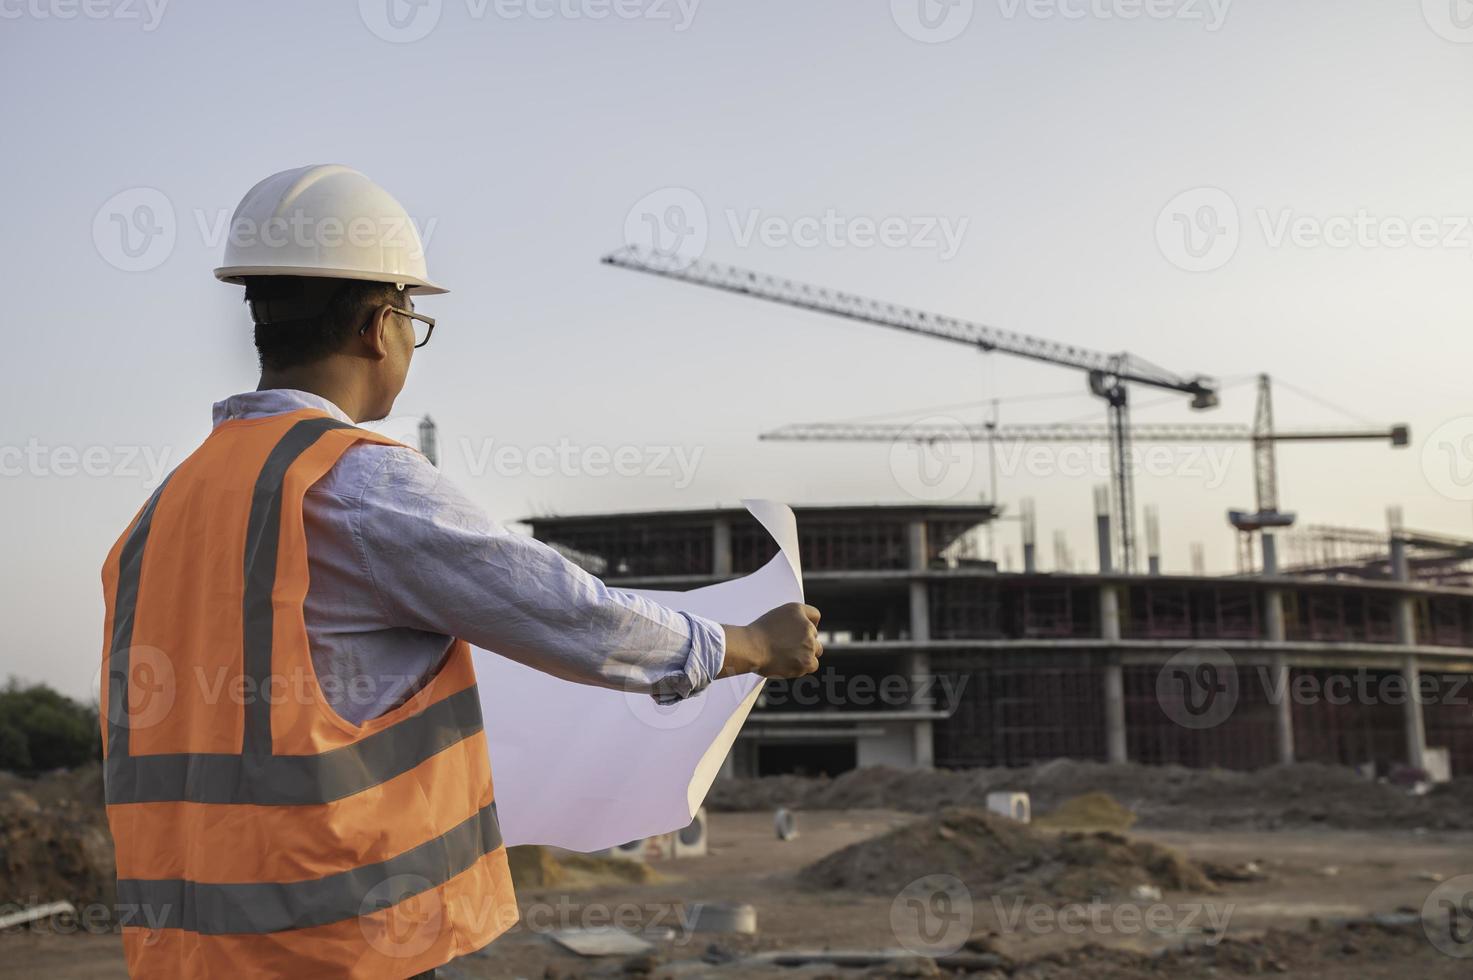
x=326 y=221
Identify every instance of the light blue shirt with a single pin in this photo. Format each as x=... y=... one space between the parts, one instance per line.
x=400 y=561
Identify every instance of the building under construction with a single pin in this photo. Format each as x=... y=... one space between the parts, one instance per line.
x=1358 y=651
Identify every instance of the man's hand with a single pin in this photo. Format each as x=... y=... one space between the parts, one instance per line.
x=783 y=642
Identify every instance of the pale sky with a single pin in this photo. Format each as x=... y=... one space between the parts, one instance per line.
x=1036 y=164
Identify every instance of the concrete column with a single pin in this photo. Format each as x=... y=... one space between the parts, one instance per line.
x=923 y=753
x=1416 y=729
x=918 y=665
x=1109 y=613
x=1273 y=633
x=1115 y=749
x=1270 y=552
x=920 y=612
x=1283 y=708
x=721 y=547
x=1102 y=542
x=915 y=546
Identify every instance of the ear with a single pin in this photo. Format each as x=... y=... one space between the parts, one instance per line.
x=373 y=337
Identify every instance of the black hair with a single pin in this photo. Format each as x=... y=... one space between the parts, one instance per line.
x=300 y=319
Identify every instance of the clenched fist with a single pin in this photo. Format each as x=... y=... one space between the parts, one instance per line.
x=782 y=642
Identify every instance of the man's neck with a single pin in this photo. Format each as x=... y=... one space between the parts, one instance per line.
x=324 y=384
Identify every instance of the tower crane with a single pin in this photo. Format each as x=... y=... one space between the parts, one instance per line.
x=1261 y=434
x=1107 y=375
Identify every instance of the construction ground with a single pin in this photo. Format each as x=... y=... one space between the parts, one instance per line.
x=1127 y=872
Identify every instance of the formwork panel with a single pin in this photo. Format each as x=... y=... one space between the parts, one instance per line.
x=1447 y=718
x=964 y=609
x=1445 y=621
x=1159 y=731
x=1348 y=716
x=1019 y=708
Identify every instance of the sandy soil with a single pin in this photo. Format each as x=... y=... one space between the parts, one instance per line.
x=1286 y=924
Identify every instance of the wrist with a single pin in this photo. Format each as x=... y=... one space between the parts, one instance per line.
x=744 y=653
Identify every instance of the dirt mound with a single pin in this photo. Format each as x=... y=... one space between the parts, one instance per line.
x=48 y=855
x=1159 y=796
x=1091 y=811
x=998 y=857
x=1354 y=949
x=534 y=866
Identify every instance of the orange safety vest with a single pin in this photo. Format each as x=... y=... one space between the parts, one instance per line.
x=258 y=833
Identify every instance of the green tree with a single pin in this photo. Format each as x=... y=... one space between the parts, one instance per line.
x=43 y=729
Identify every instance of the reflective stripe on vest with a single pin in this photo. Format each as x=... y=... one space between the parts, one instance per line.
x=335 y=883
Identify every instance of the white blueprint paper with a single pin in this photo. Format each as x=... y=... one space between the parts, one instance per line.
x=587 y=768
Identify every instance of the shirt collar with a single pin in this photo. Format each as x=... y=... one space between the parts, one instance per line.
x=273 y=401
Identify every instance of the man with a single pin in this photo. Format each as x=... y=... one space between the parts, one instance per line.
x=297 y=777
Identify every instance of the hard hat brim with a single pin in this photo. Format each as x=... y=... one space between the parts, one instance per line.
x=239 y=273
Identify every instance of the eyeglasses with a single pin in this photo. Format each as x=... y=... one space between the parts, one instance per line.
x=423 y=325
x=421 y=333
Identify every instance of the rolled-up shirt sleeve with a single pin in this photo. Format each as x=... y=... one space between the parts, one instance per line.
x=437 y=562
